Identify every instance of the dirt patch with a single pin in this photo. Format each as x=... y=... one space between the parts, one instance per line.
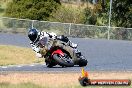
x=58 y=79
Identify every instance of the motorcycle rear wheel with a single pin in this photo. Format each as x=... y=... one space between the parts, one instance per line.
x=83 y=62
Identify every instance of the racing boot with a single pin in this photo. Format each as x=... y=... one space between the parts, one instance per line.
x=73 y=45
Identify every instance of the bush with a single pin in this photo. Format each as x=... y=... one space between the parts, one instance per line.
x=68 y=15
x=31 y=9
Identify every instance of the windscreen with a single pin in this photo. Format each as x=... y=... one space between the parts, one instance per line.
x=43 y=41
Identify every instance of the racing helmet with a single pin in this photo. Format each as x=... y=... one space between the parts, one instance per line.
x=33 y=34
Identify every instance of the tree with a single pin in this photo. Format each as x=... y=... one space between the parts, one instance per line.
x=95 y=14
x=68 y=15
x=32 y=9
x=122 y=13
x=1 y=9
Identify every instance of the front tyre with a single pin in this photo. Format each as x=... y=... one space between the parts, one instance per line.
x=63 y=60
x=82 y=62
x=50 y=65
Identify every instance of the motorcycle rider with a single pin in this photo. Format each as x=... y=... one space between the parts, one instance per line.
x=37 y=39
x=35 y=36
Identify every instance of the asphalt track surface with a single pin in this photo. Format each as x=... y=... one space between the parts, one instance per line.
x=103 y=55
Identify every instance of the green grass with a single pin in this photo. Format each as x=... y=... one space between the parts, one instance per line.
x=31 y=85
x=22 y=85
x=52 y=80
x=104 y=87
x=79 y=86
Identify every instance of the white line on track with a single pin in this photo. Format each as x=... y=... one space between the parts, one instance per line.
x=19 y=66
x=4 y=66
x=34 y=64
x=43 y=64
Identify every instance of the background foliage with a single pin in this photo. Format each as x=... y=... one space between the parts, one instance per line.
x=121 y=13
x=68 y=15
x=84 y=11
x=32 y=9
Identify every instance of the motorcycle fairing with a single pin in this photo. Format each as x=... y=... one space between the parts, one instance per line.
x=58 y=51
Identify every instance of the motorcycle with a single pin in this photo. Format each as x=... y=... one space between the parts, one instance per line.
x=59 y=56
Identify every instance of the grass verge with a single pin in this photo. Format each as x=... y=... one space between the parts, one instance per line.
x=31 y=85
x=13 y=55
x=22 y=85
x=57 y=80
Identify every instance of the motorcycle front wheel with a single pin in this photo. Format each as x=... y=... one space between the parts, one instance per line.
x=63 y=60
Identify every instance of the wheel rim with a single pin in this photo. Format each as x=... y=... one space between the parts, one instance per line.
x=66 y=58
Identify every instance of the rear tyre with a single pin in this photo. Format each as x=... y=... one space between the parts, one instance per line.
x=63 y=60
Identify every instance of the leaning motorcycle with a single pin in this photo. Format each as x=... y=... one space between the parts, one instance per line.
x=59 y=56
